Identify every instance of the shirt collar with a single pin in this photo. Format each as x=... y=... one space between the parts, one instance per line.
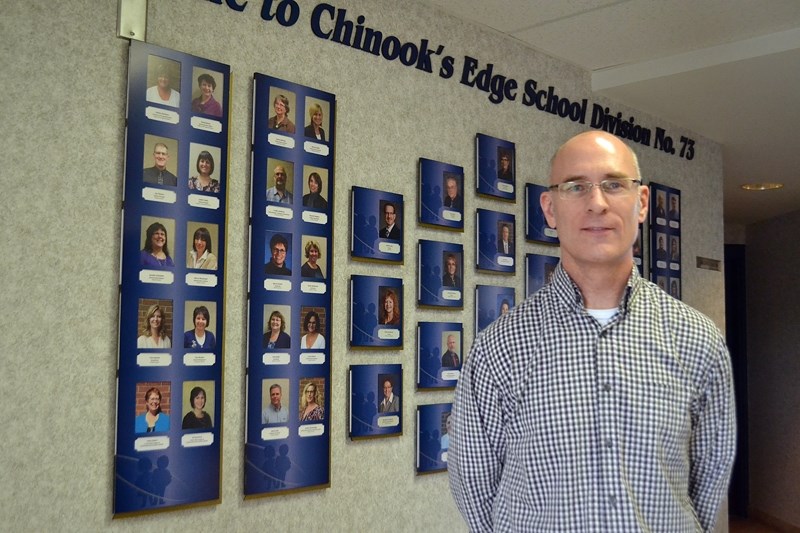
x=572 y=298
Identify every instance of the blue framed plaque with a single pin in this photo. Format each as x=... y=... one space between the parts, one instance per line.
x=433 y=437
x=377 y=222
x=440 y=274
x=496 y=167
x=491 y=302
x=495 y=240
x=441 y=194
x=536 y=227
x=665 y=238
x=376 y=312
x=538 y=271
x=440 y=354
x=375 y=408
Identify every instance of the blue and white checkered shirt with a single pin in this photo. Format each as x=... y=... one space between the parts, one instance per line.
x=561 y=424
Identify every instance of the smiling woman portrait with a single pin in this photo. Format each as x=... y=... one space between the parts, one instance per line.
x=154 y=330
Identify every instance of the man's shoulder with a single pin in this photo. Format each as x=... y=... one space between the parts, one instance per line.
x=681 y=318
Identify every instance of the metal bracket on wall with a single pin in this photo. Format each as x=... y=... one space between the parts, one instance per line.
x=132 y=19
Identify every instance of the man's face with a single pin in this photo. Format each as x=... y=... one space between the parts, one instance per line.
x=673 y=203
x=505 y=233
x=387 y=389
x=451 y=266
x=674 y=246
x=161 y=156
x=452 y=188
x=595 y=230
x=504 y=163
x=389 y=214
x=280 y=178
x=279 y=254
x=275 y=397
x=451 y=343
x=661 y=242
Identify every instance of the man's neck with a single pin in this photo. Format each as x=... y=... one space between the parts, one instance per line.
x=601 y=286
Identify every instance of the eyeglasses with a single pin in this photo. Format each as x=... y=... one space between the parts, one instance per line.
x=580 y=188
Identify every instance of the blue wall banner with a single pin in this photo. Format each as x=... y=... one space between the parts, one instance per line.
x=490 y=303
x=665 y=238
x=290 y=321
x=169 y=394
x=440 y=354
x=433 y=437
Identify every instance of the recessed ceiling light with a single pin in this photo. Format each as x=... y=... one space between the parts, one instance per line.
x=761 y=186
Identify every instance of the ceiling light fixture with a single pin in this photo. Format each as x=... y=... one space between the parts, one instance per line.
x=761 y=186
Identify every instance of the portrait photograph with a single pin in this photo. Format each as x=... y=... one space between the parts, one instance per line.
x=200 y=325
x=198 y=404
x=316 y=189
x=313 y=322
x=536 y=227
x=202 y=247
x=538 y=271
x=156 y=245
x=675 y=287
x=376 y=312
x=277 y=327
x=495 y=241
x=433 y=437
x=638 y=250
x=314 y=257
x=440 y=274
x=440 y=354
x=282 y=114
x=160 y=161
x=276 y=400
x=280 y=181
x=375 y=406
x=317 y=119
x=205 y=168
x=674 y=209
x=376 y=225
x=163 y=81
x=206 y=98
x=154 y=324
x=491 y=302
x=153 y=406
x=277 y=253
x=675 y=252
x=495 y=160
x=312 y=399
x=441 y=195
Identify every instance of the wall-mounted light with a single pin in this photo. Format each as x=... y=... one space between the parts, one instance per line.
x=761 y=186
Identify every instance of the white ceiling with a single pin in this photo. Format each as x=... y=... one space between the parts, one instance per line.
x=728 y=70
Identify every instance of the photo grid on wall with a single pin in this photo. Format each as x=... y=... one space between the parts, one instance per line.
x=665 y=238
x=171 y=331
x=290 y=325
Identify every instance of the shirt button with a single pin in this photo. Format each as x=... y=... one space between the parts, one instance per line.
x=612 y=500
x=607 y=387
x=609 y=444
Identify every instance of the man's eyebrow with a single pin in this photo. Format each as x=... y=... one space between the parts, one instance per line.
x=616 y=175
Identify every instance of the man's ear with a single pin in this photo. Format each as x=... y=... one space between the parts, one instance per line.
x=644 y=199
x=546 y=201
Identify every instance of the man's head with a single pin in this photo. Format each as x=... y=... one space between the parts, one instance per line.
x=597 y=224
x=278 y=245
x=505 y=161
x=451 y=186
x=661 y=242
x=160 y=155
x=450 y=264
x=280 y=177
x=275 y=393
x=673 y=203
x=387 y=389
x=674 y=246
x=389 y=213
x=451 y=343
x=505 y=232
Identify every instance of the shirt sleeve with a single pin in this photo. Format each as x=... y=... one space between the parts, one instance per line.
x=477 y=441
x=713 y=443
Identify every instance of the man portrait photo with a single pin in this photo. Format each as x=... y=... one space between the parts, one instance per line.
x=600 y=403
x=452 y=196
x=504 y=244
x=276 y=412
x=279 y=192
x=504 y=168
x=279 y=248
x=391 y=229
x=158 y=174
x=450 y=358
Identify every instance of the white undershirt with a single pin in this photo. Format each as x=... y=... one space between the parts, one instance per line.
x=603 y=316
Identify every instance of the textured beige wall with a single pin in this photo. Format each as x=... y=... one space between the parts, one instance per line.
x=62 y=108
x=773 y=365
